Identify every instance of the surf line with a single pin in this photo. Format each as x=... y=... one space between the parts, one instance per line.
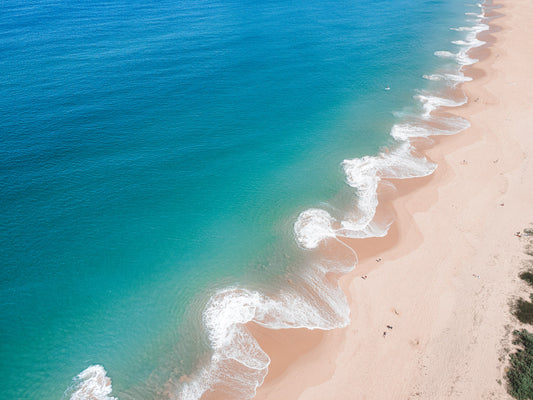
x=237 y=363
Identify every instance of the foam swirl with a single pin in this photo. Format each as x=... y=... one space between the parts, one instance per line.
x=237 y=362
x=92 y=384
x=313 y=226
x=237 y=365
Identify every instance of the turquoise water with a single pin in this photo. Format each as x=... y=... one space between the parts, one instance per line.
x=152 y=153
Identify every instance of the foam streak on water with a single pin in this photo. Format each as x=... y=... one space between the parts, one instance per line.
x=92 y=384
x=237 y=364
x=469 y=42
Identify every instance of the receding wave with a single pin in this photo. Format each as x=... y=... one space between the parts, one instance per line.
x=431 y=103
x=469 y=42
x=453 y=78
x=237 y=365
x=448 y=126
x=363 y=174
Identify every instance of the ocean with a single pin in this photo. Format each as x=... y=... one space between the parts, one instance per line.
x=172 y=170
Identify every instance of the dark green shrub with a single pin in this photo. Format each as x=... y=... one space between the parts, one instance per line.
x=527 y=276
x=523 y=310
x=520 y=373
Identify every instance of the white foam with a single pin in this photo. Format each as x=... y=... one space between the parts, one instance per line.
x=319 y=303
x=237 y=362
x=365 y=173
x=431 y=103
x=399 y=163
x=454 y=78
x=406 y=131
x=463 y=28
x=445 y=54
x=313 y=226
x=460 y=57
x=351 y=229
x=92 y=384
x=469 y=42
x=449 y=126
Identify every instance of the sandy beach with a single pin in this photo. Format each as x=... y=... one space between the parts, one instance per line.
x=449 y=266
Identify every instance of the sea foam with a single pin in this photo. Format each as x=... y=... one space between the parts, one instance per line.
x=92 y=384
x=448 y=126
x=237 y=365
x=237 y=362
x=454 y=78
x=313 y=226
x=469 y=42
x=431 y=103
x=363 y=174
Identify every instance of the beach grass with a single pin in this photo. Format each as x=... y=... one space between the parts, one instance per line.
x=520 y=373
x=523 y=310
x=527 y=276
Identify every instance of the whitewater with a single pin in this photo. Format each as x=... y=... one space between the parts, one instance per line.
x=237 y=365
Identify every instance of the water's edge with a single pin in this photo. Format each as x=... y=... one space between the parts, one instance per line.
x=238 y=366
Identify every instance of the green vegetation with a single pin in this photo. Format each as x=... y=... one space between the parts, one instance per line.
x=523 y=310
x=529 y=246
x=520 y=373
x=527 y=276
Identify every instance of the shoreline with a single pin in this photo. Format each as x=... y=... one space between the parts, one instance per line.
x=436 y=285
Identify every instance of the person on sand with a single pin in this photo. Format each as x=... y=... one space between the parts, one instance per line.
x=384 y=333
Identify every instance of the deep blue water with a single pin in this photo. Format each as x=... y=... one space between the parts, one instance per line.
x=151 y=152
